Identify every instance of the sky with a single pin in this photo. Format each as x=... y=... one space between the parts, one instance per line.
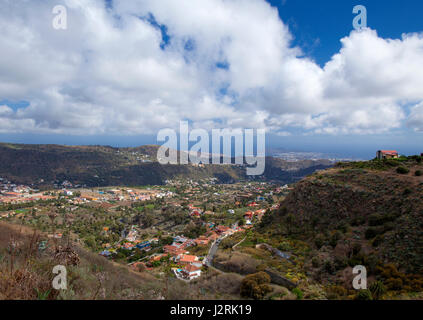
x=123 y=70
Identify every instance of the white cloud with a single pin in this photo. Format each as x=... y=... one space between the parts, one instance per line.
x=107 y=74
x=415 y=119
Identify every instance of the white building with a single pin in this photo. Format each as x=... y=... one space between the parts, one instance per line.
x=191 y=272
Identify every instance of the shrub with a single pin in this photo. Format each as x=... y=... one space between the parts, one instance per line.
x=403 y=170
x=377 y=289
x=319 y=241
x=358 y=259
x=371 y=233
x=315 y=262
x=356 y=248
x=364 y=295
x=343 y=227
x=377 y=241
x=417 y=284
x=340 y=263
x=256 y=285
x=376 y=219
x=329 y=267
x=395 y=284
x=388 y=226
x=418 y=173
x=358 y=221
x=391 y=162
x=298 y=293
x=335 y=292
x=335 y=238
x=388 y=271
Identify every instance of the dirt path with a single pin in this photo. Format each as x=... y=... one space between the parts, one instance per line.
x=233 y=248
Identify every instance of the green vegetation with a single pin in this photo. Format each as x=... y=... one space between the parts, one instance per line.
x=403 y=170
x=99 y=166
x=298 y=293
x=255 y=286
x=362 y=213
x=364 y=295
x=377 y=289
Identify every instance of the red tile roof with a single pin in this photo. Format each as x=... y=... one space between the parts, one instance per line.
x=187 y=258
x=191 y=268
x=389 y=151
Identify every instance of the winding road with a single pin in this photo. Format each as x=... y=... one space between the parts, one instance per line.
x=213 y=250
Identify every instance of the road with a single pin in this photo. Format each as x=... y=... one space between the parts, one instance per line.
x=213 y=250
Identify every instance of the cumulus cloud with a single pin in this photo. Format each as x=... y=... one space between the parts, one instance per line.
x=415 y=120
x=222 y=64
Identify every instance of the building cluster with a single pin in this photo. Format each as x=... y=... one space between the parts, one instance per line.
x=11 y=193
x=116 y=195
x=218 y=208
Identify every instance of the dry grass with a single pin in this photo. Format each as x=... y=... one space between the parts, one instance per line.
x=22 y=271
x=26 y=273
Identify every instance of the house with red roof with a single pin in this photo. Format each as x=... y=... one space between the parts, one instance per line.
x=196 y=213
x=221 y=229
x=173 y=250
x=191 y=272
x=248 y=215
x=212 y=236
x=202 y=241
x=186 y=259
x=387 y=154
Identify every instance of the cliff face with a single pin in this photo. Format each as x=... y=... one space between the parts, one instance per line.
x=358 y=214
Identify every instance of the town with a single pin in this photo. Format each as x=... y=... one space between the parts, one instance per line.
x=173 y=228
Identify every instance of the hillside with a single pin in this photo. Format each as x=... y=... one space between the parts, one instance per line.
x=26 y=274
x=44 y=165
x=364 y=213
x=26 y=271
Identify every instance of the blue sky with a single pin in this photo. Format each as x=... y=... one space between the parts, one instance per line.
x=319 y=25
x=119 y=85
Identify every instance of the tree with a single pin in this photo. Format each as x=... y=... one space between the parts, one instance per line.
x=166 y=241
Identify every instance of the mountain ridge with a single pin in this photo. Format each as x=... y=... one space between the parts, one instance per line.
x=106 y=165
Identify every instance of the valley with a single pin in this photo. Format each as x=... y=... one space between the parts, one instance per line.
x=199 y=238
